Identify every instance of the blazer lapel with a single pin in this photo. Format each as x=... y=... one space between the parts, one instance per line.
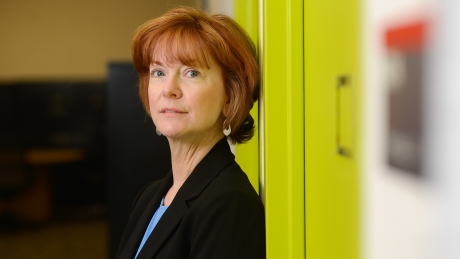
x=141 y=225
x=212 y=164
x=169 y=221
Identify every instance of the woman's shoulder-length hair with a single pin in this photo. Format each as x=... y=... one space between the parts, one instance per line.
x=192 y=37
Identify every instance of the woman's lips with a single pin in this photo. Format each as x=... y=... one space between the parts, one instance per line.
x=171 y=110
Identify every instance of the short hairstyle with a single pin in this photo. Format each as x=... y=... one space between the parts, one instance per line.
x=191 y=37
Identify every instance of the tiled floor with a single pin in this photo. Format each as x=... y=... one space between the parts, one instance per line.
x=69 y=240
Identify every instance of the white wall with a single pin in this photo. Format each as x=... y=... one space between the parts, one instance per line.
x=219 y=6
x=442 y=159
x=397 y=216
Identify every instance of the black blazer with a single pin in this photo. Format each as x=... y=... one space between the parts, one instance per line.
x=215 y=214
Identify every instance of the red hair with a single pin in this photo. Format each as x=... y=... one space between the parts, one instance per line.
x=192 y=37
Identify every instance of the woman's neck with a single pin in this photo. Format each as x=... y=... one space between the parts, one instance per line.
x=185 y=156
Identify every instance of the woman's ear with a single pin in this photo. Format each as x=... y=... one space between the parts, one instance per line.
x=226 y=108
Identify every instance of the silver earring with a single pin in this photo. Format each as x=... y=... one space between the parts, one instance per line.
x=158 y=132
x=228 y=130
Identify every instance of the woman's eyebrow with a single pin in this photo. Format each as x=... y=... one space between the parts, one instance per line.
x=156 y=62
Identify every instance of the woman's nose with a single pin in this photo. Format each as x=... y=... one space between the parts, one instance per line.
x=171 y=89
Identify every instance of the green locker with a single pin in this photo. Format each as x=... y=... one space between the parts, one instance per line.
x=308 y=149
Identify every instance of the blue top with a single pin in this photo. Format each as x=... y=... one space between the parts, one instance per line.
x=153 y=222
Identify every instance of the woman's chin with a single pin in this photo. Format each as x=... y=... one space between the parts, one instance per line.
x=171 y=134
x=186 y=136
x=176 y=133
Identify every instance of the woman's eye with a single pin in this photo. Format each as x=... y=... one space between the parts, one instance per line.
x=158 y=73
x=193 y=73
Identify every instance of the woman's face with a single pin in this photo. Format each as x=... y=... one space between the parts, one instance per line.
x=186 y=102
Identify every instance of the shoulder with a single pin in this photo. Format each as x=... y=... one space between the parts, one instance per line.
x=231 y=189
x=227 y=219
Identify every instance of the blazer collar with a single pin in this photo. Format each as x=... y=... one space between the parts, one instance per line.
x=218 y=158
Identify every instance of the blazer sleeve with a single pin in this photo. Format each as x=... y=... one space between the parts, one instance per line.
x=229 y=225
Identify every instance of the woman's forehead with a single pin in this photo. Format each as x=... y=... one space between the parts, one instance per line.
x=166 y=58
x=188 y=49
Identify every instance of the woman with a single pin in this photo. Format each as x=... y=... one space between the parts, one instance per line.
x=198 y=80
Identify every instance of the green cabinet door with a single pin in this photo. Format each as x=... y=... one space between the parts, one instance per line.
x=332 y=87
